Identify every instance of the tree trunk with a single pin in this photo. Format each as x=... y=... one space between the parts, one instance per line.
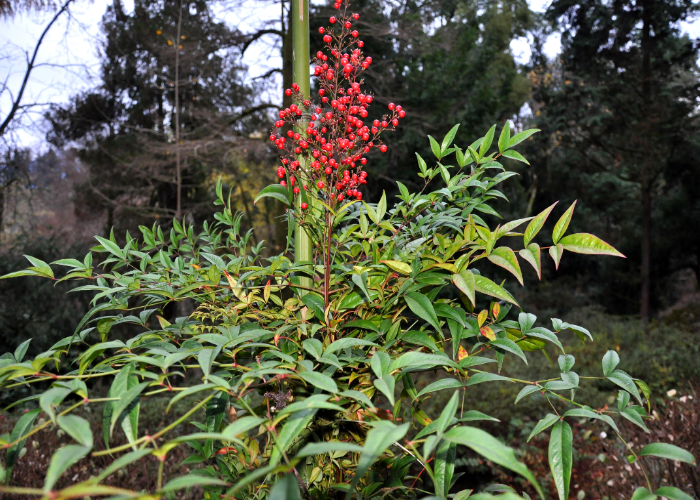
x=646 y=255
x=2 y=208
x=645 y=270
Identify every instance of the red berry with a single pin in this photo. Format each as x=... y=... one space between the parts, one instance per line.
x=283 y=183
x=328 y=170
x=340 y=197
x=391 y=106
x=296 y=190
x=321 y=30
x=332 y=20
x=358 y=195
x=295 y=87
x=288 y=92
x=320 y=184
x=356 y=16
x=383 y=148
x=402 y=113
x=360 y=43
x=355 y=34
x=395 y=122
x=347 y=25
x=304 y=206
x=327 y=39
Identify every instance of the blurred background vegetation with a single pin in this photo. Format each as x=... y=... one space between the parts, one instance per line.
x=175 y=107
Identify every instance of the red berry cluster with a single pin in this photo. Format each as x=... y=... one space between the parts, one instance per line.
x=326 y=143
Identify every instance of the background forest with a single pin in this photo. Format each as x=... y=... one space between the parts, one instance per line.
x=176 y=108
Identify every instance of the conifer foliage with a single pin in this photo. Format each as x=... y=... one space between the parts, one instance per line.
x=310 y=392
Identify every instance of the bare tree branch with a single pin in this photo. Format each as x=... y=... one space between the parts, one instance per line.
x=258 y=35
x=30 y=66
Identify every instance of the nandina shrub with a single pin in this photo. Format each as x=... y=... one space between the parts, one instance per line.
x=295 y=366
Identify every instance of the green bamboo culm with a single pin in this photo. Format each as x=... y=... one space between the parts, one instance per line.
x=302 y=57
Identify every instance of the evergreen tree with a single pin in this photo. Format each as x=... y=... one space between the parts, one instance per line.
x=617 y=109
x=172 y=106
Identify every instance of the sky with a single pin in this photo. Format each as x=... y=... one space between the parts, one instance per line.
x=69 y=57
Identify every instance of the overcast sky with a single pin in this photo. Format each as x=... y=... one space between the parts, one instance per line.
x=70 y=52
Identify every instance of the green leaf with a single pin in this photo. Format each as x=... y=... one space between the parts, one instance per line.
x=386 y=385
x=381 y=207
x=276 y=191
x=444 y=468
x=435 y=147
x=509 y=346
x=293 y=426
x=316 y=304
x=672 y=493
x=560 y=457
x=588 y=244
x=379 y=363
x=542 y=425
x=491 y=449
x=285 y=488
x=536 y=224
x=610 y=362
x=634 y=417
x=465 y=282
x=563 y=224
x=22 y=350
x=52 y=398
x=241 y=425
x=449 y=138
x=395 y=265
x=643 y=494
x=531 y=254
x=521 y=136
x=125 y=400
x=21 y=428
x=61 y=461
x=76 y=427
x=320 y=380
x=623 y=380
x=423 y=308
x=447 y=413
x=441 y=385
x=505 y=257
x=556 y=251
x=121 y=462
x=479 y=378
x=488 y=287
x=566 y=362
x=414 y=359
x=358 y=396
x=514 y=155
x=317 y=401
x=665 y=450
x=488 y=139
x=110 y=246
x=585 y=413
x=378 y=439
x=526 y=391
x=191 y=480
x=347 y=342
x=504 y=138
x=313 y=449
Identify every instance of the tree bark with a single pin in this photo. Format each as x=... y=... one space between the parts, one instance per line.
x=645 y=296
x=646 y=255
